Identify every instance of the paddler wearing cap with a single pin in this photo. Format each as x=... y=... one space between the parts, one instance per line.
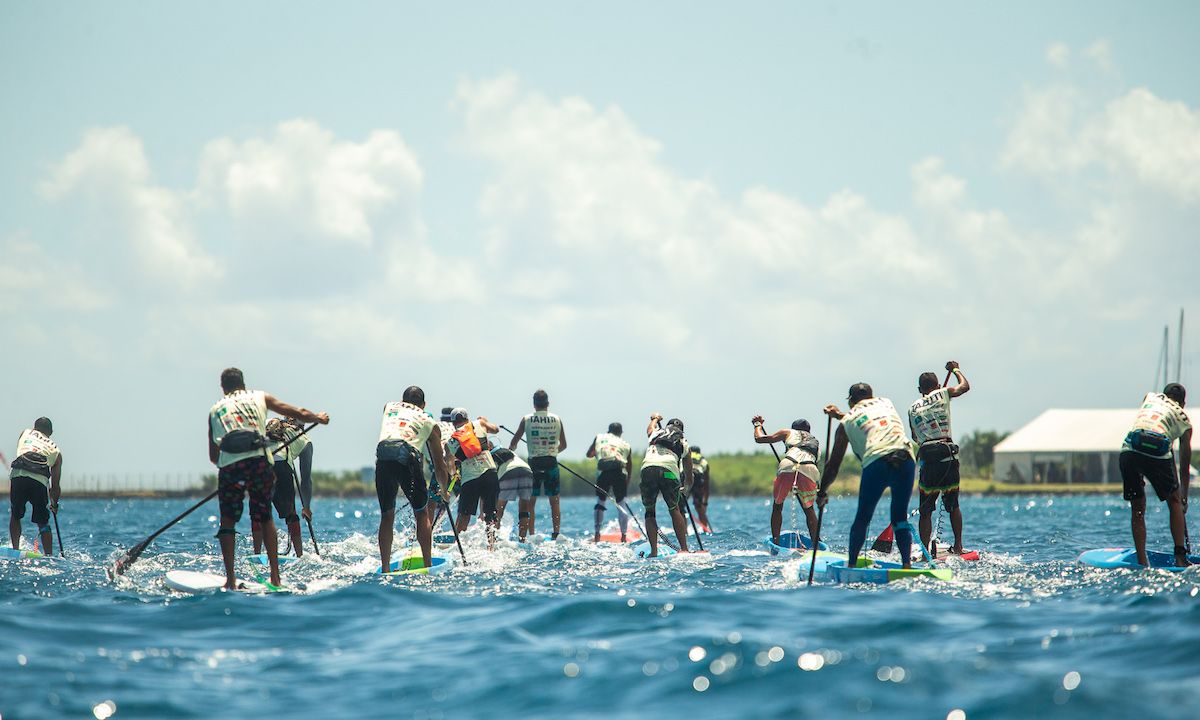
x=1147 y=454
x=874 y=430
x=477 y=470
x=666 y=466
x=797 y=471
x=33 y=478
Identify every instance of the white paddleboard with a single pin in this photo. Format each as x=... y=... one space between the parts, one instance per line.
x=190 y=581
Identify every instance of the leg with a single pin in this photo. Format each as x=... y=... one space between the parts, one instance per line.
x=500 y=505
x=776 y=521
x=293 y=528
x=652 y=531
x=256 y=534
x=680 y=528
x=1137 y=523
x=271 y=540
x=870 y=489
x=424 y=536
x=226 y=537
x=950 y=502
x=900 y=479
x=810 y=519
x=928 y=505
x=779 y=493
x=1178 y=528
x=524 y=518
x=14 y=531
x=231 y=485
x=619 y=490
x=387 y=520
x=555 y=515
x=672 y=496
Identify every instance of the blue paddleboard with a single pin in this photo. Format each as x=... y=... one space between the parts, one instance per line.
x=642 y=549
x=1113 y=558
x=9 y=554
x=878 y=572
x=792 y=543
x=261 y=560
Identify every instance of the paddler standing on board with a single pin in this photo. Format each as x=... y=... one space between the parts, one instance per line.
x=477 y=471
x=1147 y=455
x=701 y=487
x=666 y=466
x=614 y=470
x=546 y=438
x=406 y=432
x=238 y=446
x=516 y=483
x=292 y=446
x=875 y=431
x=937 y=455
x=435 y=509
x=34 y=477
x=797 y=471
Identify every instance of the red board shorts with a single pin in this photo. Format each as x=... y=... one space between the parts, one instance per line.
x=804 y=479
x=252 y=476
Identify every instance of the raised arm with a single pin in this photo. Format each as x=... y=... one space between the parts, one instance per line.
x=836 y=453
x=962 y=386
x=298 y=413
x=761 y=436
x=516 y=439
x=655 y=419
x=490 y=427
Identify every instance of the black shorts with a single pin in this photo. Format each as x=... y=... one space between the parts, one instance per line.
x=482 y=490
x=546 y=479
x=404 y=474
x=251 y=478
x=654 y=482
x=1159 y=471
x=939 y=467
x=284 y=498
x=614 y=482
x=699 y=480
x=26 y=490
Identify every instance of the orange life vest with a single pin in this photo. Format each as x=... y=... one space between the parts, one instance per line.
x=468 y=443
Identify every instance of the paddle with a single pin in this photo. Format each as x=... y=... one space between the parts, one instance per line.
x=311 y=535
x=121 y=565
x=454 y=529
x=816 y=542
x=687 y=505
x=59 y=534
x=795 y=494
x=616 y=504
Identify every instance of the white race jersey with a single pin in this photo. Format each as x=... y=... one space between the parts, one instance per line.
x=664 y=457
x=471 y=468
x=406 y=423
x=929 y=417
x=610 y=447
x=290 y=448
x=239 y=410
x=542 y=430
x=875 y=429
x=801 y=448
x=38 y=450
x=1160 y=414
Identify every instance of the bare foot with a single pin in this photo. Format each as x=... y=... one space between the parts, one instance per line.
x=1182 y=561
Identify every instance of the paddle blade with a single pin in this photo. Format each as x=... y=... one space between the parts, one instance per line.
x=883 y=543
x=121 y=565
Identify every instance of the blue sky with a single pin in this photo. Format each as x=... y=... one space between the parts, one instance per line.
x=698 y=209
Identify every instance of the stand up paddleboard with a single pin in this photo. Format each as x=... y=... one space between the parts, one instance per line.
x=1114 y=558
x=968 y=556
x=798 y=570
x=8 y=553
x=261 y=560
x=416 y=566
x=641 y=549
x=878 y=572
x=190 y=581
x=615 y=537
x=791 y=543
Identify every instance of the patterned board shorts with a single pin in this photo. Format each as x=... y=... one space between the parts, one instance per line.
x=253 y=477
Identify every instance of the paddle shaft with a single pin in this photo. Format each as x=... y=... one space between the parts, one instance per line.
x=816 y=542
x=795 y=490
x=454 y=529
x=625 y=509
x=688 y=507
x=311 y=535
x=130 y=557
x=61 y=553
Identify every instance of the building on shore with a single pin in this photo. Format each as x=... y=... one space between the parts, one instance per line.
x=1065 y=447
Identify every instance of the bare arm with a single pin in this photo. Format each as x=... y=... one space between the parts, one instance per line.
x=687 y=471
x=963 y=386
x=562 y=437
x=840 y=443
x=591 y=451
x=434 y=447
x=55 y=479
x=517 y=436
x=297 y=413
x=491 y=427
x=1185 y=464
x=214 y=452
x=306 y=486
x=653 y=424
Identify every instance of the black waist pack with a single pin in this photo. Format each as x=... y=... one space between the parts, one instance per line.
x=1148 y=442
x=937 y=451
x=242 y=441
x=610 y=464
x=896 y=458
x=33 y=462
x=393 y=451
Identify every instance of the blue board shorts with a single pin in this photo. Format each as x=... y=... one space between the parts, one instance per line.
x=545 y=476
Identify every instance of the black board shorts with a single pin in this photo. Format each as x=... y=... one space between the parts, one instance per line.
x=284 y=497
x=483 y=490
x=405 y=474
x=613 y=482
x=939 y=468
x=656 y=481
x=27 y=491
x=1159 y=471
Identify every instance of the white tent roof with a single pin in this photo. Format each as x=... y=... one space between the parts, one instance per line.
x=1072 y=431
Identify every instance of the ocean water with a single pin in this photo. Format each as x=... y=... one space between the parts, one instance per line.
x=571 y=629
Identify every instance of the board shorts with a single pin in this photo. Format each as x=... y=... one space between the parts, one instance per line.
x=27 y=491
x=251 y=477
x=482 y=490
x=516 y=485
x=803 y=478
x=284 y=497
x=403 y=473
x=655 y=481
x=1159 y=471
x=939 y=467
x=613 y=482
x=545 y=475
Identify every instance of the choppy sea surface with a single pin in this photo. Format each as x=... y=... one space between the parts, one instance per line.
x=572 y=629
